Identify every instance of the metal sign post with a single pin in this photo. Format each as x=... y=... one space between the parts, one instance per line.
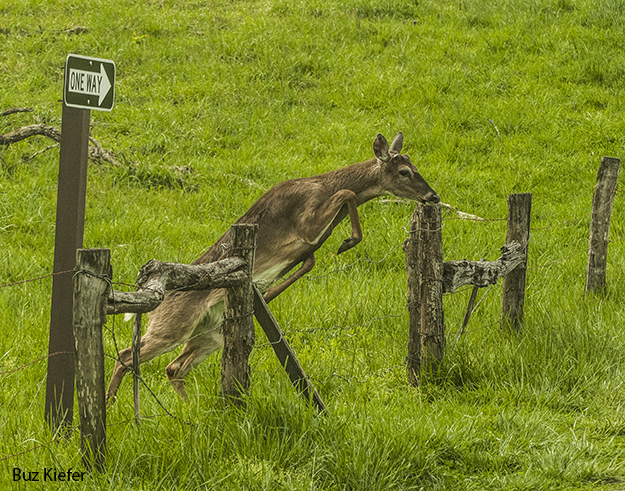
x=89 y=83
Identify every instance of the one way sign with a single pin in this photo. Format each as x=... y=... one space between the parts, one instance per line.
x=89 y=83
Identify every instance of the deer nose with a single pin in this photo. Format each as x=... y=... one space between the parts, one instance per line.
x=432 y=197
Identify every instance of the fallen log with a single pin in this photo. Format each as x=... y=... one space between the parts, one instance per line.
x=481 y=273
x=156 y=277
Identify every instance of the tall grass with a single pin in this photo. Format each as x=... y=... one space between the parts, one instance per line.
x=218 y=101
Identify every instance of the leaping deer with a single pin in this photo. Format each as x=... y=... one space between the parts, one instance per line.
x=294 y=220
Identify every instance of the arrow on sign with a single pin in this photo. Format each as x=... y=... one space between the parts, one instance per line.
x=89 y=83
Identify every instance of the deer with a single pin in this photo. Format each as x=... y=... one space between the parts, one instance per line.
x=294 y=219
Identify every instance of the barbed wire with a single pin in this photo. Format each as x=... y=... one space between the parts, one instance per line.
x=567 y=223
x=36 y=279
x=36 y=361
x=464 y=216
x=335 y=327
x=575 y=221
x=586 y=250
x=345 y=268
x=349 y=380
x=70 y=430
x=133 y=372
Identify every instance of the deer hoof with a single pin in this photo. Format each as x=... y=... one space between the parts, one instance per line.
x=109 y=400
x=347 y=244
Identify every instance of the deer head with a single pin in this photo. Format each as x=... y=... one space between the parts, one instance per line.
x=399 y=176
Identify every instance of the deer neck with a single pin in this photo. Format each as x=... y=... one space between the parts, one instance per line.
x=363 y=179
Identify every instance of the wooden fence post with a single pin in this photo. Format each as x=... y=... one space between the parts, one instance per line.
x=283 y=351
x=513 y=285
x=136 y=366
x=415 y=353
x=238 y=325
x=91 y=287
x=602 y=201
x=424 y=267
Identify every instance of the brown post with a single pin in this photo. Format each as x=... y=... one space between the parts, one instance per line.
x=238 y=325
x=91 y=287
x=70 y=217
x=513 y=285
x=602 y=201
x=424 y=260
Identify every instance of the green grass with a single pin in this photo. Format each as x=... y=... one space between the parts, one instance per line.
x=494 y=97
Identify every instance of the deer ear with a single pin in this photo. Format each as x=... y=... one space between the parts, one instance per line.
x=380 y=148
x=398 y=142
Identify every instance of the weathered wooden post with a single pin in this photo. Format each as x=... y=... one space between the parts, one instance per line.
x=513 y=285
x=91 y=287
x=602 y=201
x=238 y=325
x=284 y=352
x=415 y=352
x=424 y=267
x=136 y=366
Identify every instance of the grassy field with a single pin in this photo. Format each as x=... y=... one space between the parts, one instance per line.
x=216 y=101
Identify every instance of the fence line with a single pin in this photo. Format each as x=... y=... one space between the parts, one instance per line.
x=139 y=377
x=349 y=380
x=575 y=221
x=36 y=279
x=36 y=361
x=336 y=327
x=565 y=224
x=568 y=223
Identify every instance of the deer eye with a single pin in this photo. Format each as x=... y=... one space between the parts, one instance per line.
x=404 y=172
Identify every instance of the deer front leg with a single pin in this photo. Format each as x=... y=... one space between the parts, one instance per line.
x=329 y=215
x=356 y=236
x=307 y=265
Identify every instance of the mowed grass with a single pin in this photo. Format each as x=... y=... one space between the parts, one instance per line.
x=216 y=102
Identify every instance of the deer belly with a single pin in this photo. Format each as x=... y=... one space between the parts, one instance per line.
x=265 y=278
x=316 y=241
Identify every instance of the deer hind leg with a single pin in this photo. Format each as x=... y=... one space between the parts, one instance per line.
x=307 y=265
x=150 y=349
x=169 y=326
x=194 y=352
x=330 y=215
x=205 y=340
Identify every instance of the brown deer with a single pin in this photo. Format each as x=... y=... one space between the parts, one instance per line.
x=294 y=220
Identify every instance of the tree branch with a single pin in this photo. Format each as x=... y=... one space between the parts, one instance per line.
x=17 y=110
x=482 y=273
x=28 y=131
x=96 y=151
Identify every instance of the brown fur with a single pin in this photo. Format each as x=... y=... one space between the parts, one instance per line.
x=294 y=219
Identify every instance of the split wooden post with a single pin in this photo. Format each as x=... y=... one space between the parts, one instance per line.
x=238 y=324
x=91 y=287
x=513 y=285
x=424 y=267
x=415 y=352
x=602 y=201
x=136 y=366
x=283 y=351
